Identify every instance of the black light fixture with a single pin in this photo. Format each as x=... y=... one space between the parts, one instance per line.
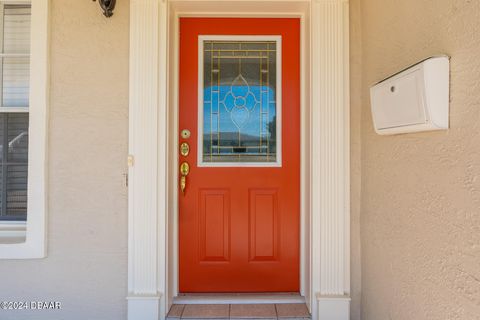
x=107 y=7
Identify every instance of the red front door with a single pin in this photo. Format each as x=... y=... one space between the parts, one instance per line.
x=239 y=214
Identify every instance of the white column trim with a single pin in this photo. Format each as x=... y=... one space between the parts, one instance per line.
x=334 y=307
x=331 y=164
x=143 y=229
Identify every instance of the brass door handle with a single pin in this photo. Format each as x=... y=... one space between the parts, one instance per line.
x=184 y=171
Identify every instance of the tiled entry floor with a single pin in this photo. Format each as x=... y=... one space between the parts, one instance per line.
x=282 y=311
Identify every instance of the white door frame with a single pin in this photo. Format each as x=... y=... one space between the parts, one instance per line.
x=153 y=115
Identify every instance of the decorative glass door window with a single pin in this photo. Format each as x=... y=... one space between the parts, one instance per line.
x=239 y=101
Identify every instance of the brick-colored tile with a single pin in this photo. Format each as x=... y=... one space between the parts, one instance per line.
x=206 y=311
x=175 y=311
x=253 y=311
x=291 y=311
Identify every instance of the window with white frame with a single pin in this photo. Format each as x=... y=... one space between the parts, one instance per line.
x=23 y=125
x=15 y=72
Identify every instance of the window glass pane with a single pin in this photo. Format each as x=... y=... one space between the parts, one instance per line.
x=14 y=166
x=16 y=77
x=239 y=103
x=15 y=63
x=16 y=29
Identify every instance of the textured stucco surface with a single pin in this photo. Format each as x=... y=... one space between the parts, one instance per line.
x=420 y=203
x=86 y=267
x=355 y=156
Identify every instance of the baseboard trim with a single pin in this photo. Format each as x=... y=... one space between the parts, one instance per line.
x=238 y=298
x=333 y=307
x=143 y=307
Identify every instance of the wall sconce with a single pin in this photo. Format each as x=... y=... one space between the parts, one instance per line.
x=107 y=7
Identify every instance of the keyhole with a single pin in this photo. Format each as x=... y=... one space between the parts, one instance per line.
x=392 y=89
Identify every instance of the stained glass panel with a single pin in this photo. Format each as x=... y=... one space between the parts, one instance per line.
x=239 y=101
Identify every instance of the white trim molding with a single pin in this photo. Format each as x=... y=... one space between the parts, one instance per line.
x=331 y=164
x=145 y=226
x=144 y=307
x=334 y=307
x=152 y=268
x=34 y=231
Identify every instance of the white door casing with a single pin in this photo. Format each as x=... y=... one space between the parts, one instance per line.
x=152 y=235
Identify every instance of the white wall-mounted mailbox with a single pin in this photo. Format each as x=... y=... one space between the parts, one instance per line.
x=415 y=99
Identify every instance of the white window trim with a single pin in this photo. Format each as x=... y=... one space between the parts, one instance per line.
x=35 y=227
x=278 y=100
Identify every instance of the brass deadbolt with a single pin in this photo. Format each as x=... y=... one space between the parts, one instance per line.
x=184 y=149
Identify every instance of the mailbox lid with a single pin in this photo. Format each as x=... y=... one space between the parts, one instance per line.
x=400 y=100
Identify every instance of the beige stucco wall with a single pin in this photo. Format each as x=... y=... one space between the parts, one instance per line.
x=420 y=204
x=86 y=267
x=355 y=156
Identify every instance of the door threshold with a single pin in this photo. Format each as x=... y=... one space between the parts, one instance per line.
x=238 y=298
